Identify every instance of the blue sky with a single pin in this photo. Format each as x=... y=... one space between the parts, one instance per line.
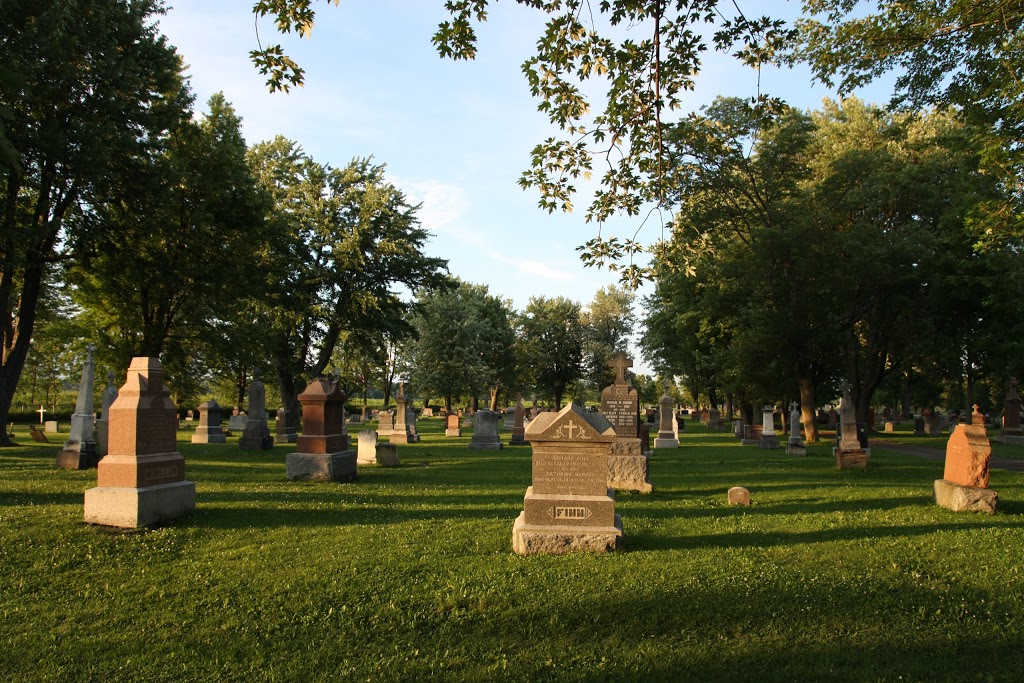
x=454 y=135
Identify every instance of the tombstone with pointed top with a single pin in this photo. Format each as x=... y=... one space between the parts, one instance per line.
x=256 y=436
x=485 y=431
x=1012 y=432
x=107 y=399
x=964 y=483
x=401 y=433
x=79 y=452
x=209 y=429
x=628 y=465
x=795 y=444
x=322 y=452
x=284 y=426
x=769 y=439
x=666 y=417
x=141 y=480
x=849 y=454
x=518 y=428
x=510 y=418
x=569 y=507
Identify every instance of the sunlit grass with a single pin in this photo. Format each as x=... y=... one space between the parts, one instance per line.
x=408 y=574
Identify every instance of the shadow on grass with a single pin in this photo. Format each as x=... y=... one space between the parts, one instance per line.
x=245 y=517
x=20 y=499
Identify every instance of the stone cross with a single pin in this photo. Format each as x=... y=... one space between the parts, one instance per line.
x=41 y=411
x=668 y=385
x=620 y=362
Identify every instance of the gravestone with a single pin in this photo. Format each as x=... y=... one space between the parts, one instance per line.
x=569 y=507
x=102 y=425
x=385 y=423
x=518 y=429
x=79 y=452
x=467 y=419
x=645 y=439
x=401 y=432
x=890 y=427
x=510 y=418
x=141 y=480
x=795 y=444
x=410 y=421
x=714 y=420
x=918 y=426
x=833 y=418
x=427 y=412
x=667 y=416
x=752 y=435
x=367 y=450
x=37 y=435
x=737 y=428
x=322 y=452
x=256 y=436
x=738 y=495
x=209 y=429
x=849 y=454
x=236 y=422
x=769 y=439
x=284 y=426
x=387 y=455
x=964 y=483
x=1012 y=432
x=452 y=426
x=932 y=427
x=50 y=427
x=485 y=431
x=628 y=465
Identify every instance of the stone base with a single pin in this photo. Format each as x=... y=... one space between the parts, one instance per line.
x=518 y=440
x=200 y=437
x=666 y=443
x=256 y=443
x=793 y=449
x=960 y=498
x=630 y=447
x=129 y=508
x=83 y=459
x=400 y=437
x=533 y=539
x=769 y=442
x=629 y=473
x=387 y=455
x=453 y=432
x=850 y=460
x=486 y=445
x=339 y=466
x=285 y=438
x=750 y=442
x=1011 y=439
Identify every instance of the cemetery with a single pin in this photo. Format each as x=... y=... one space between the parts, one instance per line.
x=296 y=387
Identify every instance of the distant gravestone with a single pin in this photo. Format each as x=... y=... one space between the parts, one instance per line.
x=752 y=435
x=387 y=455
x=849 y=454
x=795 y=444
x=737 y=428
x=964 y=483
x=385 y=423
x=103 y=424
x=410 y=421
x=485 y=431
x=569 y=507
x=401 y=433
x=452 y=426
x=256 y=436
x=366 y=453
x=236 y=422
x=890 y=427
x=666 y=420
x=918 y=426
x=1012 y=432
x=209 y=429
x=141 y=480
x=37 y=435
x=50 y=427
x=510 y=418
x=79 y=452
x=427 y=412
x=738 y=495
x=322 y=452
x=769 y=439
x=932 y=426
x=628 y=465
x=518 y=428
x=284 y=426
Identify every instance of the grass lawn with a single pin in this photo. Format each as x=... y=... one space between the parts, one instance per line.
x=408 y=574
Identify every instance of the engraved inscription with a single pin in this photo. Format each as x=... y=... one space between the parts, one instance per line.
x=576 y=513
x=159 y=474
x=572 y=431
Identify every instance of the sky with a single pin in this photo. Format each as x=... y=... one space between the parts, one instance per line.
x=455 y=136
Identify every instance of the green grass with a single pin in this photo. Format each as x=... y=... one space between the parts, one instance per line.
x=408 y=574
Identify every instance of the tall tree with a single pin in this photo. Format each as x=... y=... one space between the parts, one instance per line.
x=99 y=86
x=608 y=323
x=551 y=334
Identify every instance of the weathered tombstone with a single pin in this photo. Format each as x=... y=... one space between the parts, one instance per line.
x=452 y=426
x=485 y=431
x=918 y=426
x=410 y=421
x=385 y=423
x=284 y=426
x=236 y=422
x=50 y=427
x=322 y=452
x=209 y=429
x=427 y=412
x=890 y=427
x=932 y=427
x=667 y=410
x=141 y=480
x=467 y=419
x=714 y=419
x=833 y=417
x=387 y=455
x=401 y=433
x=256 y=436
x=795 y=445
x=964 y=483
x=37 y=435
x=849 y=454
x=628 y=465
x=518 y=426
x=738 y=495
x=107 y=399
x=367 y=451
x=1012 y=432
x=737 y=428
x=569 y=507
x=769 y=439
x=79 y=452
x=510 y=418
x=752 y=435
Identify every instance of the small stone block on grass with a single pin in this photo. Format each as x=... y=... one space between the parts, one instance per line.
x=387 y=455
x=959 y=498
x=851 y=460
x=739 y=496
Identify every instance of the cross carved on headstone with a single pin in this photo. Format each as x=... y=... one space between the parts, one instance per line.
x=620 y=362
x=668 y=386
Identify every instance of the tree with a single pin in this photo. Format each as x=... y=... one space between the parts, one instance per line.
x=607 y=323
x=958 y=53
x=346 y=239
x=465 y=342
x=643 y=83
x=98 y=86
x=551 y=334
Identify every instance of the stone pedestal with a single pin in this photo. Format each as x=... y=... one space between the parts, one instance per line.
x=964 y=483
x=79 y=452
x=452 y=429
x=751 y=435
x=485 y=431
x=518 y=430
x=795 y=444
x=959 y=498
x=284 y=426
x=769 y=439
x=322 y=449
x=141 y=481
x=401 y=433
x=629 y=467
x=569 y=507
x=849 y=452
x=666 y=417
x=209 y=429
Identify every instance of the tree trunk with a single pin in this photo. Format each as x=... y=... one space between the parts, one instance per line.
x=15 y=348
x=495 y=389
x=807 y=402
x=906 y=393
x=728 y=407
